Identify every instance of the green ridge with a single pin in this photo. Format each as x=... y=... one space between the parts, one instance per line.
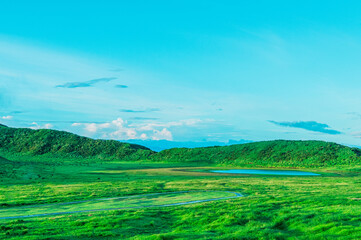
x=279 y=153
x=268 y=153
x=63 y=144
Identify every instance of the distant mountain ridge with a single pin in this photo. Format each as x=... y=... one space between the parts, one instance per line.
x=278 y=153
x=160 y=145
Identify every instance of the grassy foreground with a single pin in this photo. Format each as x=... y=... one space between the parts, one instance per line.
x=275 y=207
x=52 y=167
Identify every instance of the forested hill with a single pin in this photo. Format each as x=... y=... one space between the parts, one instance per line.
x=280 y=153
x=64 y=144
x=268 y=153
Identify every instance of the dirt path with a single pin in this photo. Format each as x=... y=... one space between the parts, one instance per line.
x=236 y=195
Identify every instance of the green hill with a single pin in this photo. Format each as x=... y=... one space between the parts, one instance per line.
x=268 y=153
x=63 y=144
x=279 y=153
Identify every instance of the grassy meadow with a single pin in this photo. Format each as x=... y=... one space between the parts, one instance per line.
x=34 y=174
x=274 y=207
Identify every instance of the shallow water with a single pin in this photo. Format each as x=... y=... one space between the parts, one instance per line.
x=267 y=172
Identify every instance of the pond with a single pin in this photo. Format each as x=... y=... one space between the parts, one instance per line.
x=267 y=172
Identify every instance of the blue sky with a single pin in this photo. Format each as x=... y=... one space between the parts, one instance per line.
x=183 y=70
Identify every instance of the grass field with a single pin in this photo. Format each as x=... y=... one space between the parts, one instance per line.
x=274 y=207
x=106 y=204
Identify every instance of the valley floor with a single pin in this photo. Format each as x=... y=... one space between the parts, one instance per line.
x=274 y=207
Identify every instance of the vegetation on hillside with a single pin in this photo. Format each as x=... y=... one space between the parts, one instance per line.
x=6 y=167
x=268 y=153
x=64 y=144
x=280 y=153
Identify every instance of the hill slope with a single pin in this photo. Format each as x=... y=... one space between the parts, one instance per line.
x=64 y=144
x=268 y=153
x=280 y=153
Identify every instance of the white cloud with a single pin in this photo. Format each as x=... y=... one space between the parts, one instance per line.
x=163 y=134
x=117 y=129
x=120 y=129
x=7 y=117
x=91 y=127
x=143 y=136
x=48 y=126
x=356 y=134
x=45 y=126
x=124 y=133
x=153 y=126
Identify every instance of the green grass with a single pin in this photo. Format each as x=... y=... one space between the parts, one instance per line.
x=138 y=201
x=275 y=207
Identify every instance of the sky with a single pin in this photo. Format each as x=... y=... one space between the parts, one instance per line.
x=183 y=70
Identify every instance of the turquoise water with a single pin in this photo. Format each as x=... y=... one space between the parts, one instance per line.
x=267 y=172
